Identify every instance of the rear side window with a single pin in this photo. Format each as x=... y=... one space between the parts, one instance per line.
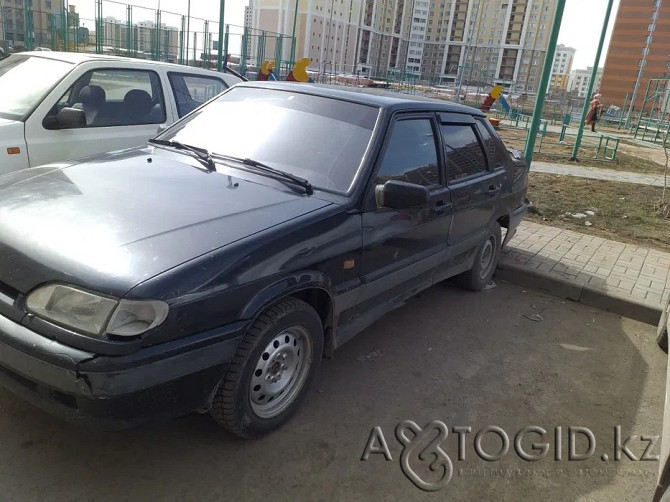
x=190 y=91
x=465 y=156
x=497 y=154
x=115 y=97
x=411 y=155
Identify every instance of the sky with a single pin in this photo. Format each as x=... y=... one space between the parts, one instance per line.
x=580 y=28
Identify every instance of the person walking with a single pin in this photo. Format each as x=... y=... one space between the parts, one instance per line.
x=595 y=109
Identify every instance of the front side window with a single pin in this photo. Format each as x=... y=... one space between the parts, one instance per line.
x=321 y=139
x=411 y=155
x=25 y=81
x=464 y=153
x=113 y=97
x=190 y=91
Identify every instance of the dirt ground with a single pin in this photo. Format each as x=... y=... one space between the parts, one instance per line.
x=506 y=357
x=622 y=211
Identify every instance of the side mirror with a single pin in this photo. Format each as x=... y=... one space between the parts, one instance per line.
x=67 y=118
x=401 y=195
x=161 y=128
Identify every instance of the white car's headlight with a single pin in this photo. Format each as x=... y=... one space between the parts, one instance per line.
x=95 y=314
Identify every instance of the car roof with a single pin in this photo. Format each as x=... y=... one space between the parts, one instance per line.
x=83 y=57
x=368 y=96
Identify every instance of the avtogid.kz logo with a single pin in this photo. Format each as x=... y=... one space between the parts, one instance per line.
x=426 y=464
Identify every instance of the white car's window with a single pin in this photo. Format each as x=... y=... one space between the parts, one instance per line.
x=190 y=91
x=25 y=80
x=113 y=97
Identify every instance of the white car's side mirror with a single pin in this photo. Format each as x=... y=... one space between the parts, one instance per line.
x=161 y=128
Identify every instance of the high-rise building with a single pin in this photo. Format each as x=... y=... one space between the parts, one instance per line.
x=142 y=37
x=639 y=50
x=248 y=25
x=41 y=24
x=560 y=71
x=490 y=41
x=579 y=81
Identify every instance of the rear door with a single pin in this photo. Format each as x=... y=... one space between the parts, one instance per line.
x=192 y=90
x=474 y=183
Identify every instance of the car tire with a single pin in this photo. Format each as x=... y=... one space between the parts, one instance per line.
x=486 y=261
x=662 y=330
x=272 y=370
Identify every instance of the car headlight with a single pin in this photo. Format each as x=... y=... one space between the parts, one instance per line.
x=95 y=314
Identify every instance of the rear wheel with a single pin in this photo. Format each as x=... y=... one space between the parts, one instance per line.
x=486 y=261
x=271 y=372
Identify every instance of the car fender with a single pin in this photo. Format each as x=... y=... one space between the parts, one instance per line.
x=286 y=286
x=12 y=137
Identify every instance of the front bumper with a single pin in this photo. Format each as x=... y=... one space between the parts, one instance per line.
x=115 y=392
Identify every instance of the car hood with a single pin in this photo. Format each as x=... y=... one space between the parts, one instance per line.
x=116 y=220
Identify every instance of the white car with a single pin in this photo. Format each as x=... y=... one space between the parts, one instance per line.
x=57 y=106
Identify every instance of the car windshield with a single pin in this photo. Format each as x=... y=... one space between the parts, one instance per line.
x=25 y=80
x=318 y=138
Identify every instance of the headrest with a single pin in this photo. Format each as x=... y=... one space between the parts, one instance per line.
x=138 y=100
x=92 y=95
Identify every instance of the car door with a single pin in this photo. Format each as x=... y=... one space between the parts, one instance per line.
x=475 y=185
x=402 y=247
x=123 y=107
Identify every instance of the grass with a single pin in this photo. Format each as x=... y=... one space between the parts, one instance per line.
x=553 y=151
x=623 y=211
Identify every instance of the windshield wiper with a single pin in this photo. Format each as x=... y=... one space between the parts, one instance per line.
x=201 y=154
x=270 y=170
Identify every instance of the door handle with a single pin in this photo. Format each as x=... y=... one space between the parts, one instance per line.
x=493 y=190
x=440 y=207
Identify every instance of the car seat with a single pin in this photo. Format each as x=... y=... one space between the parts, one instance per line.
x=91 y=100
x=137 y=107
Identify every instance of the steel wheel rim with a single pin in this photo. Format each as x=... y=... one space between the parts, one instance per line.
x=280 y=372
x=486 y=261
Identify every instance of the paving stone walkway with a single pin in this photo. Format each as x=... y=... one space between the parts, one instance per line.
x=616 y=269
x=598 y=173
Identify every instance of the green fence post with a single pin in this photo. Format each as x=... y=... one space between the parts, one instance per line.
x=219 y=59
x=261 y=51
x=295 y=19
x=98 y=26
x=28 y=24
x=243 y=50
x=278 y=56
x=225 y=47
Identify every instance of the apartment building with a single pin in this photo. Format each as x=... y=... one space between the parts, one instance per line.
x=560 y=70
x=142 y=36
x=248 y=25
x=473 y=41
x=326 y=30
x=639 y=50
x=579 y=81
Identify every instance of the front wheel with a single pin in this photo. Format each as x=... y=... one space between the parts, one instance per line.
x=486 y=261
x=271 y=372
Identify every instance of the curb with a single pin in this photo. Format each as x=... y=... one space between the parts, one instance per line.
x=572 y=290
